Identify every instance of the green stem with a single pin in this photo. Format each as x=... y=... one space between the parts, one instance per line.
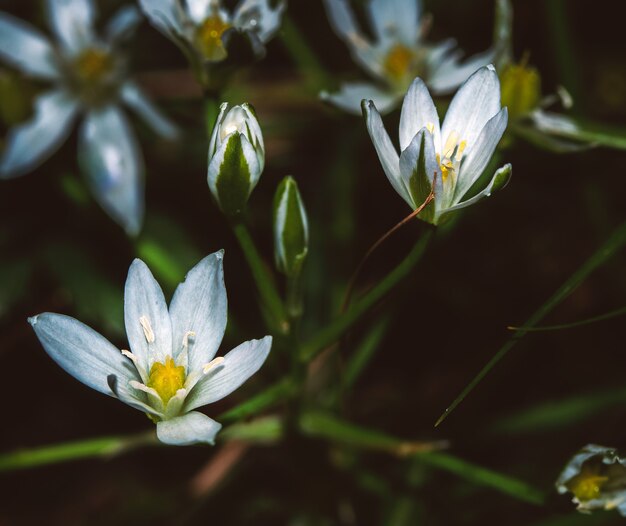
x=302 y=54
x=607 y=316
x=343 y=323
x=483 y=476
x=96 y=447
x=326 y=426
x=273 y=307
x=264 y=400
x=601 y=256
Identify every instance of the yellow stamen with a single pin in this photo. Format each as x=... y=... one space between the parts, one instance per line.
x=209 y=37
x=93 y=64
x=430 y=127
x=587 y=486
x=166 y=379
x=398 y=61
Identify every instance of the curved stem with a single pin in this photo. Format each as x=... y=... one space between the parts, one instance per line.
x=337 y=328
x=380 y=241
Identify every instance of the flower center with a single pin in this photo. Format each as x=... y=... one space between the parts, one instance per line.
x=92 y=65
x=398 y=61
x=209 y=37
x=587 y=486
x=166 y=379
x=453 y=150
x=521 y=89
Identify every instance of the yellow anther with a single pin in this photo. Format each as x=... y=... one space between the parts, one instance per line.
x=209 y=37
x=587 y=486
x=147 y=329
x=398 y=61
x=430 y=127
x=461 y=149
x=93 y=64
x=451 y=142
x=166 y=379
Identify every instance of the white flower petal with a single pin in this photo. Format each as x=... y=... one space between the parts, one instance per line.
x=499 y=180
x=82 y=352
x=350 y=95
x=448 y=74
x=73 y=22
x=120 y=389
x=409 y=163
x=199 y=10
x=147 y=320
x=31 y=143
x=24 y=47
x=123 y=23
x=238 y=365
x=200 y=306
x=418 y=111
x=165 y=15
x=132 y=95
x=111 y=159
x=477 y=159
x=342 y=19
x=384 y=148
x=395 y=20
x=257 y=16
x=192 y=428
x=477 y=100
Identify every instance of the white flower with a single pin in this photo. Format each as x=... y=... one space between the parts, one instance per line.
x=171 y=367
x=454 y=156
x=396 y=55
x=236 y=157
x=199 y=25
x=89 y=76
x=596 y=477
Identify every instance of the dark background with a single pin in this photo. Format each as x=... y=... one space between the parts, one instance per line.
x=492 y=269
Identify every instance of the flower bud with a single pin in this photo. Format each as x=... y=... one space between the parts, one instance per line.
x=521 y=89
x=236 y=157
x=291 y=229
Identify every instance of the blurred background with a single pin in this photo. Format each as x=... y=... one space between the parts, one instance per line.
x=554 y=393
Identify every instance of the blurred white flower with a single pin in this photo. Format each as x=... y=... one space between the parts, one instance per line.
x=396 y=55
x=198 y=26
x=90 y=77
x=171 y=368
x=596 y=477
x=453 y=156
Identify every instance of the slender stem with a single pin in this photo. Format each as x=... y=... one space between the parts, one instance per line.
x=96 y=447
x=378 y=243
x=601 y=256
x=588 y=321
x=274 y=394
x=345 y=321
x=273 y=307
x=331 y=428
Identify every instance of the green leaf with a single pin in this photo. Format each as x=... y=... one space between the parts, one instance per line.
x=599 y=258
x=265 y=430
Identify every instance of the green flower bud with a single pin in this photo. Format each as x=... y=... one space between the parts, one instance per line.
x=236 y=157
x=291 y=229
x=521 y=89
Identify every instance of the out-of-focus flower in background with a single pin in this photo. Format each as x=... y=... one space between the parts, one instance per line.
x=201 y=28
x=452 y=157
x=396 y=55
x=596 y=477
x=236 y=157
x=89 y=76
x=170 y=369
